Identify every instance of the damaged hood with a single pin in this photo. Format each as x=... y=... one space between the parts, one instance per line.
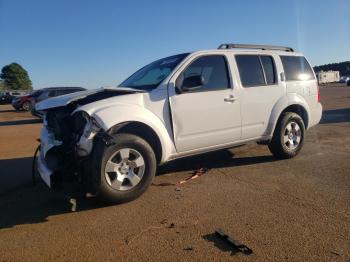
x=64 y=100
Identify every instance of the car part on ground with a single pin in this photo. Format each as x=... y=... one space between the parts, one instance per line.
x=235 y=244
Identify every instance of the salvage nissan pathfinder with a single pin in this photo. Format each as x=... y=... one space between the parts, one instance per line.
x=113 y=139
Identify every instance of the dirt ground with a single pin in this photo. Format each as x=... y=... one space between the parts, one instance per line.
x=290 y=210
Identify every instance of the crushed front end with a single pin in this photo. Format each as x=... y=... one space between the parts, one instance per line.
x=68 y=137
x=66 y=144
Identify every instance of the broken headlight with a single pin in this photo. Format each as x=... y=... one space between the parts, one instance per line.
x=86 y=129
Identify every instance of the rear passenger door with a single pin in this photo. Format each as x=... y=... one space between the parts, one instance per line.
x=260 y=91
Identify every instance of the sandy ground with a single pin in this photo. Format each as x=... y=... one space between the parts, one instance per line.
x=290 y=210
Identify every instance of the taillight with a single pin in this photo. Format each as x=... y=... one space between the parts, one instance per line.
x=318 y=94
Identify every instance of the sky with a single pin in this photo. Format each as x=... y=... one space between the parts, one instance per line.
x=100 y=43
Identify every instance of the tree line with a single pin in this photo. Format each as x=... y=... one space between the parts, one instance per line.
x=15 y=77
x=342 y=67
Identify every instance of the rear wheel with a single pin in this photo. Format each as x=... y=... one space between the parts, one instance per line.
x=288 y=138
x=27 y=106
x=125 y=169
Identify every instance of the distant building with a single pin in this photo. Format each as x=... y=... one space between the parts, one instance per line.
x=324 y=77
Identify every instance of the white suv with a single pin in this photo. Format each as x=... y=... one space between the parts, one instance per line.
x=112 y=139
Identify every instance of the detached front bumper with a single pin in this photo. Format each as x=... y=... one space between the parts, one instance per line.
x=47 y=142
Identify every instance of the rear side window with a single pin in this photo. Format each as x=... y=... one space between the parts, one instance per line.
x=64 y=92
x=214 y=71
x=255 y=70
x=297 y=68
x=51 y=93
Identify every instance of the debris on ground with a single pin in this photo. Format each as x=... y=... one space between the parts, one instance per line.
x=73 y=203
x=164 y=221
x=188 y=248
x=236 y=245
x=128 y=239
x=199 y=172
x=163 y=184
x=172 y=225
x=335 y=253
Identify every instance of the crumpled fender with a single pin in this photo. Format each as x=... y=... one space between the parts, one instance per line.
x=111 y=115
x=285 y=101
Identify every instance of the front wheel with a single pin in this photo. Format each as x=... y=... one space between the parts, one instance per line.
x=288 y=138
x=125 y=169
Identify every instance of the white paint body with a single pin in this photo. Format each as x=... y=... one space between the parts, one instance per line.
x=193 y=123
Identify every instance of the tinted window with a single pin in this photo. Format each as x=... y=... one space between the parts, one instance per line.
x=269 y=69
x=213 y=69
x=51 y=93
x=250 y=70
x=36 y=93
x=65 y=91
x=296 y=68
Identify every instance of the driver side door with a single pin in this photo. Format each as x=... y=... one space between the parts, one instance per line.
x=207 y=115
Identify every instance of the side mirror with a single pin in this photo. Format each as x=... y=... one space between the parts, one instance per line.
x=192 y=82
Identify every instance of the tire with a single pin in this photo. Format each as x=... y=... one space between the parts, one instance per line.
x=114 y=178
x=27 y=106
x=288 y=137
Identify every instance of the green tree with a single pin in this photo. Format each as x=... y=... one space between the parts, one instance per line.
x=2 y=85
x=16 y=77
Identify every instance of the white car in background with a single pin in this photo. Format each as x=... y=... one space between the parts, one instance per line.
x=112 y=139
x=344 y=79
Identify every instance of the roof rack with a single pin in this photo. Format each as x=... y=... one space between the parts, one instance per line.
x=262 y=47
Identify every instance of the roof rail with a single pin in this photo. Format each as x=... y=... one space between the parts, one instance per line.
x=262 y=47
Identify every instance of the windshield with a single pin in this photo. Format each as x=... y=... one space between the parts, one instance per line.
x=153 y=74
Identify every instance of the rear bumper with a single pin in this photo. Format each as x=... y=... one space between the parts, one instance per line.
x=315 y=115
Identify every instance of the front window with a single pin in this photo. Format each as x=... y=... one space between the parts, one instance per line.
x=153 y=74
x=214 y=71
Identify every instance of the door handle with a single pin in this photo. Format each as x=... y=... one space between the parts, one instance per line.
x=230 y=99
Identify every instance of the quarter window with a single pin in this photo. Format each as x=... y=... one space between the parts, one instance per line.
x=297 y=68
x=214 y=71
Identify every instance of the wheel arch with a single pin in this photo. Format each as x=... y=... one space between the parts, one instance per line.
x=298 y=109
x=290 y=103
x=131 y=115
x=142 y=130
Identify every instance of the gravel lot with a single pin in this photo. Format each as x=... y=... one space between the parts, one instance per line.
x=294 y=210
